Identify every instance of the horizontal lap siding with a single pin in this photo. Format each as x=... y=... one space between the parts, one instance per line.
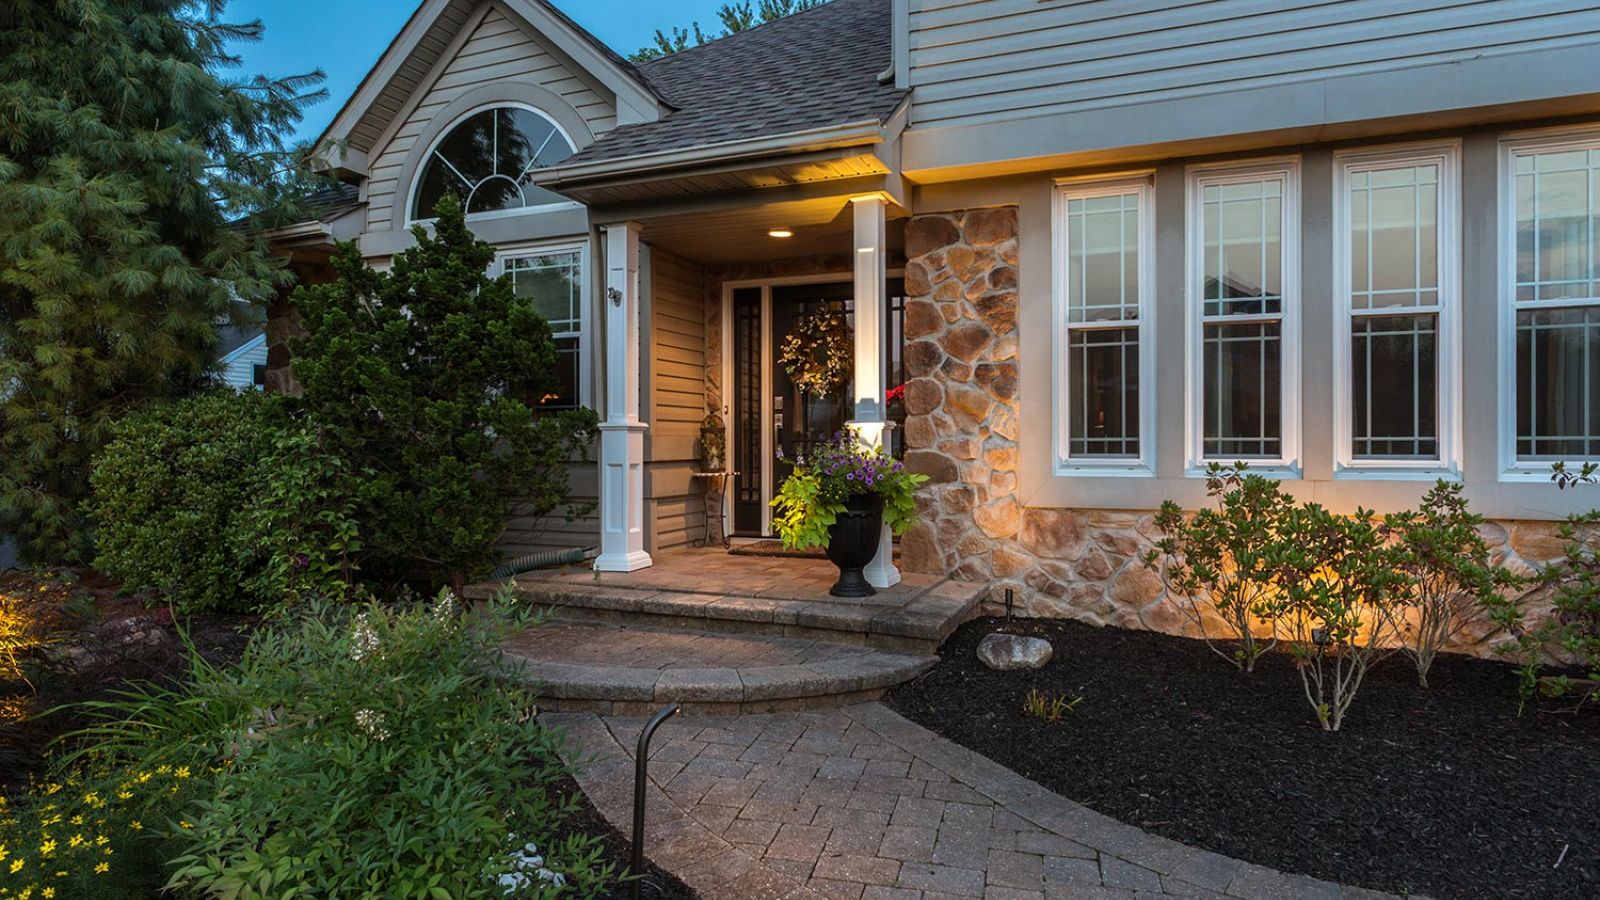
x=676 y=504
x=990 y=60
x=525 y=533
x=498 y=50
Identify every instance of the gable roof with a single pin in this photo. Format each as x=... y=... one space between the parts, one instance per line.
x=406 y=63
x=813 y=70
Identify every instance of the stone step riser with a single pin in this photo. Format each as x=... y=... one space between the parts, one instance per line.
x=892 y=643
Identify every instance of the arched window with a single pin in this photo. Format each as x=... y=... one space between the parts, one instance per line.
x=487 y=161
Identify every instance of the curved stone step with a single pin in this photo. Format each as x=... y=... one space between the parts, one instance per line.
x=628 y=670
x=915 y=617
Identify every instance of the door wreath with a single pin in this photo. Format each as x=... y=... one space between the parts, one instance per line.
x=819 y=354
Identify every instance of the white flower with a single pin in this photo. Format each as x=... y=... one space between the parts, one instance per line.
x=444 y=608
x=372 y=723
x=363 y=639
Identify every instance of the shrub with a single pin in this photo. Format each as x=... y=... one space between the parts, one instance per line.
x=1222 y=560
x=223 y=502
x=810 y=500
x=427 y=378
x=1568 y=636
x=1339 y=599
x=1452 y=584
x=360 y=751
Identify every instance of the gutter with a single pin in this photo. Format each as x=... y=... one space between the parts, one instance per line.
x=865 y=132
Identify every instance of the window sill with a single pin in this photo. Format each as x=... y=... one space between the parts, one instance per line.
x=1081 y=469
x=1276 y=470
x=1425 y=472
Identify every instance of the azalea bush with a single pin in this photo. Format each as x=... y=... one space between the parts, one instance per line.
x=810 y=500
x=1567 y=637
x=1451 y=583
x=1220 y=564
x=354 y=751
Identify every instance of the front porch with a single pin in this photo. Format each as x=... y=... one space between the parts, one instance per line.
x=725 y=634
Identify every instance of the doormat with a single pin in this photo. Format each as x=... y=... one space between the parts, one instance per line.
x=773 y=548
x=777 y=549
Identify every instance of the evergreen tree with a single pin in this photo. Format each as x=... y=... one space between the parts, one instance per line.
x=735 y=17
x=125 y=150
x=426 y=379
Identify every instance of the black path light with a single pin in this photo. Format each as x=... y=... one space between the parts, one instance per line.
x=641 y=762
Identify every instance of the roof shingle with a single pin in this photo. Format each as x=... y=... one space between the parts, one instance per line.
x=811 y=70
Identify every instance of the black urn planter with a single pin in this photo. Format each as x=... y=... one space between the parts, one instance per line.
x=853 y=542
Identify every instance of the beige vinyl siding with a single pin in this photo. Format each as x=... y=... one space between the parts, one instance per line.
x=525 y=534
x=498 y=50
x=675 y=508
x=977 y=61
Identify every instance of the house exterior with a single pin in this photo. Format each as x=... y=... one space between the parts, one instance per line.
x=1100 y=243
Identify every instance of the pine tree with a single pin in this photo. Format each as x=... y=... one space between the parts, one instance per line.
x=735 y=17
x=125 y=151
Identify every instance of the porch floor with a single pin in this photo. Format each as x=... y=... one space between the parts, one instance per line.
x=725 y=634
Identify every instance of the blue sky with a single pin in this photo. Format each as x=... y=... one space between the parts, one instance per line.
x=345 y=37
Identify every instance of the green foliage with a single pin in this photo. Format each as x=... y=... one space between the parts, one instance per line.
x=1339 y=594
x=735 y=17
x=1451 y=583
x=810 y=500
x=1049 y=708
x=1567 y=636
x=223 y=502
x=1224 y=560
x=426 y=380
x=364 y=751
x=124 y=152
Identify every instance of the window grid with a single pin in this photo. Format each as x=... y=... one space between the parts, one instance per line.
x=552 y=281
x=1555 y=301
x=1101 y=297
x=1395 y=384
x=1243 y=377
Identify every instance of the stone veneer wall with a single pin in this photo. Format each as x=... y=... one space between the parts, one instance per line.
x=961 y=402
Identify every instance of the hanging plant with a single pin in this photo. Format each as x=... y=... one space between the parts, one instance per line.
x=819 y=354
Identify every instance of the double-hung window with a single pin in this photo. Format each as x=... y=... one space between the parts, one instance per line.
x=1243 y=315
x=552 y=280
x=1397 y=296
x=1103 y=294
x=1551 y=308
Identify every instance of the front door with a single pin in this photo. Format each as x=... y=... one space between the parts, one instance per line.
x=773 y=421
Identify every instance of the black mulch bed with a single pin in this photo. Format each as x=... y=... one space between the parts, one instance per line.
x=1444 y=791
x=659 y=884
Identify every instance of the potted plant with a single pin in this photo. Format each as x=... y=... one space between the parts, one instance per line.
x=839 y=497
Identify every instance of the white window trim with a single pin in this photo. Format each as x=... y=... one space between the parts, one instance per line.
x=1446 y=156
x=585 y=300
x=1198 y=177
x=1102 y=186
x=1511 y=147
x=422 y=167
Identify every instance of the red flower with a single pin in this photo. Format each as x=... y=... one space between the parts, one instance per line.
x=895 y=393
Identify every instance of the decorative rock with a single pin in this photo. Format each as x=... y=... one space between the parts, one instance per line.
x=939 y=468
x=988 y=226
x=926 y=234
x=1007 y=652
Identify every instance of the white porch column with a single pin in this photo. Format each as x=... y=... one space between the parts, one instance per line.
x=621 y=433
x=871 y=280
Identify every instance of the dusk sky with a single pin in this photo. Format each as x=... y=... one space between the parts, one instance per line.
x=345 y=37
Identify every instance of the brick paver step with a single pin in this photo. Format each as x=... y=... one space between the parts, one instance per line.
x=623 y=669
x=709 y=590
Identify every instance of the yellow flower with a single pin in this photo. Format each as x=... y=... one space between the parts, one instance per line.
x=4 y=852
x=16 y=865
x=26 y=893
x=47 y=893
x=47 y=848
x=102 y=868
x=51 y=789
x=184 y=823
x=76 y=841
x=136 y=825
x=77 y=819
x=101 y=840
x=143 y=777
x=124 y=795
x=183 y=772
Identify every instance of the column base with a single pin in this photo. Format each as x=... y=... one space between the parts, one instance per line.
x=623 y=562
x=882 y=572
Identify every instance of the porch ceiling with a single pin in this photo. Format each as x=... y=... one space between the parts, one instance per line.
x=821 y=226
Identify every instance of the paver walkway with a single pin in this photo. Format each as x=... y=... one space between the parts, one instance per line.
x=861 y=804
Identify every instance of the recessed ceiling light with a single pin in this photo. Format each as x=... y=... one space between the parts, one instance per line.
x=780 y=233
